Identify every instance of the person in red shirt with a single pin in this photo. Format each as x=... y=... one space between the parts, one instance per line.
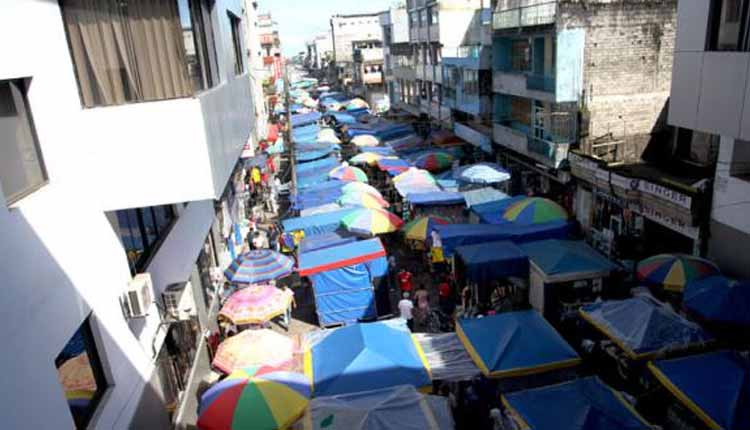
x=270 y=166
x=404 y=280
x=445 y=295
x=273 y=132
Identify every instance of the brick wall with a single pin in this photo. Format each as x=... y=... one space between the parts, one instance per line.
x=627 y=65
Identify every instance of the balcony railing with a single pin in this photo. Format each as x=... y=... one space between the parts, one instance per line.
x=540 y=83
x=525 y=16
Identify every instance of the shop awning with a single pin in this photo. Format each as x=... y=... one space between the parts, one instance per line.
x=436 y=198
x=455 y=235
x=493 y=260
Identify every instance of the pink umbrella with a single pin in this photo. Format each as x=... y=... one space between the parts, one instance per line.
x=256 y=304
x=254 y=348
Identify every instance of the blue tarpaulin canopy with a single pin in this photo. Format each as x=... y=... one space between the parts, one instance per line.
x=558 y=259
x=312 y=154
x=582 y=404
x=393 y=166
x=643 y=327
x=347 y=254
x=714 y=386
x=385 y=151
x=318 y=195
x=343 y=117
x=405 y=188
x=482 y=196
x=304 y=119
x=493 y=260
x=455 y=235
x=719 y=299
x=364 y=357
x=492 y=212
x=436 y=198
x=325 y=164
x=515 y=344
x=482 y=173
x=304 y=130
x=316 y=224
x=326 y=240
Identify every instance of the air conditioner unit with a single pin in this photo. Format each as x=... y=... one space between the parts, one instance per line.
x=139 y=296
x=179 y=303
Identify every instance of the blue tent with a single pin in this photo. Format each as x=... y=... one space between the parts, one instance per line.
x=493 y=260
x=342 y=117
x=436 y=198
x=492 y=212
x=312 y=154
x=515 y=344
x=561 y=259
x=643 y=327
x=386 y=151
x=364 y=357
x=323 y=164
x=719 y=299
x=306 y=181
x=582 y=404
x=326 y=240
x=455 y=235
x=306 y=129
x=348 y=254
x=318 y=194
x=714 y=386
x=316 y=224
x=305 y=119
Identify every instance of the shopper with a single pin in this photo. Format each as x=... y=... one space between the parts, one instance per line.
x=422 y=298
x=405 y=307
x=404 y=280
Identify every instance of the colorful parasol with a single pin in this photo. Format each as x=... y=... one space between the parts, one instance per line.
x=419 y=228
x=482 y=173
x=363 y=199
x=365 y=158
x=258 y=266
x=360 y=187
x=674 y=271
x=328 y=135
x=535 y=210
x=414 y=175
x=345 y=172
x=364 y=140
x=256 y=304
x=257 y=398
x=371 y=221
x=254 y=348
x=357 y=103
x=434 y=161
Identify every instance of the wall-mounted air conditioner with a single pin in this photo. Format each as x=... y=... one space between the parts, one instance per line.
x=179 y=303
x=139 y=296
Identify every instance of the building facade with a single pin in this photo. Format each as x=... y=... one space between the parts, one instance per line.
x=117 y=188
x=709 y=102
x=345 y=31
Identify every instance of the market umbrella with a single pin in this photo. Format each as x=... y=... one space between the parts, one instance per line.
x=256 y=304
x=482 y=173
x=364 y=140
x=674 y=271
x=353 y=187
x=371 y=221
x=357 y=103
x=363 y=199
x=419 y=228
x=345 y=172
x=434 y=161
x=535 y=210
x=365 y=158
x=254 y=348
x=328 y=135
x=414 y=174
x=260 y=265
x=719 y=299
x=257 y=398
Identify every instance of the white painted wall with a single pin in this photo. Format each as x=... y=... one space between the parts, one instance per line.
x=347 y=29
x=731 y=203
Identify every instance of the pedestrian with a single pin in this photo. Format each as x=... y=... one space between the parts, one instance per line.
x=250 y=236
x=445 y=296
x=273 y=238
x=422 y=298
x=497 y=297
x=392 y=266
x=466 y=299
x=255 y=181
x=404 y=280
x=292 y=305
x=405 y=307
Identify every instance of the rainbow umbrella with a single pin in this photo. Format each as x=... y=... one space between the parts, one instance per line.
x=360 y=187
x=357 y=103
x=363 y=199
x=254 y=348
x=674 y=271
x=535 y=210
x=434 y=161
x=257 y=398
x=419 y=228
x=256 y=304
x=365 y=158
x=260 y=265
x=346 y=172
x=364 y=140
x=371 y=221
x=414 y=175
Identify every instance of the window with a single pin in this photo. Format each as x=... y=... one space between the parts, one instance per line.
x=22 y=168
x=434 y=13
x=520 y=55
x=139 y=50
x=728 y=26
x=413 y=19
x=141 y=232
x=423 y=18
x=234 y=23
x=80 y=373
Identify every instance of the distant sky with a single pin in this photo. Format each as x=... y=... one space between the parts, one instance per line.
x=301 y=20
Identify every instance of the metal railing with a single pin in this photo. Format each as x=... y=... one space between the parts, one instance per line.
x=524 y=16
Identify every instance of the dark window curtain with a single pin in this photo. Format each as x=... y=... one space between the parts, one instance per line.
x=126 y=51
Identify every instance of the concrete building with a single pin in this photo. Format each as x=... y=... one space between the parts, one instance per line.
x=710 y=103
x=345 y=31
x=396 y=49
x=115 y=188
x=270 y=45
x=367 y=70
x=319 y=51
x=258 y=71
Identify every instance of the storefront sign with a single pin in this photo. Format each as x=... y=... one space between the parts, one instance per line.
x=665 y=193
x=674 y=223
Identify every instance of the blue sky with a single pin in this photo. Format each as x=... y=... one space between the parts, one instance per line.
x=300 y=20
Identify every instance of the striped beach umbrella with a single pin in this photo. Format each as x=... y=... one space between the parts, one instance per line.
x=414 y=175
x=254 y=348
x=255 y=398
x=257 y=266
x=535 y=210
x=365 y=158
x=419 y=228
x=346 y=172
x=363 y=199
x=371 y=222
x=434 y=161
x=674 y=271
x=256 y=304
x=357 y=187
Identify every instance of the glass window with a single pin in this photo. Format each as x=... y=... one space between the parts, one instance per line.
x=81 y=376
x=520 y=55
x=423 y=18
x=197 y=25
x=21 y=165
x=434 y=13
x=142 y=230
x=728 y=25
x=234 y=23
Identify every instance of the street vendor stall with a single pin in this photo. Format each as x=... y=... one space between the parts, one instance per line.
x=316 y=224
x=502 y=264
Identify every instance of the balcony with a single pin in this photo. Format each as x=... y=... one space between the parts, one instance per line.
x=474 y=57
x=527 y=13
x=433 y=33
x=519 y=84
x=406 y=73
x=540 y=83
x=419 y=71
x=371 y=55
x=374 y=78
x=548 y=144
x=422 y=34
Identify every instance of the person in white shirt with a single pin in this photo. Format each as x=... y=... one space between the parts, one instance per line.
x=436 y=241
x=405 y=307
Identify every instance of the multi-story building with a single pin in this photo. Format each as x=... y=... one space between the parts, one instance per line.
x=270 y=44
x=345 y=30
x=396 y=49
x=319 y=51
x=710 y=103
x=258 y=71
x=117 y=188
x=367 y=73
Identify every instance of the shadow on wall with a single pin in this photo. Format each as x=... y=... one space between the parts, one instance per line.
x=659 y=149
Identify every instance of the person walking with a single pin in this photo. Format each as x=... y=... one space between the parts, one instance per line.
x=273 y=238
x=404 y=281
x=422 y=298
x=445 y=296
x=405 y=307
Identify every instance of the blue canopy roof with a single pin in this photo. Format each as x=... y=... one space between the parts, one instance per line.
x=343 y=117
x=455 y=235
x=515 y=344
x=719 y=299
x=364 y=357
x=582 y=404
x=492 y=212
x=493 y=260
x=716 y=385
x=305 y=119
x=381 y=150
x=325 y=240
x=405 y=188
x=567 y=257
x=643 y=327
x=483 y=196
x=323 y=164
x=312 y=154
x=318 y=194
x=393 y=166
x=436 y=198
x=347 y=254
x=316 y=224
